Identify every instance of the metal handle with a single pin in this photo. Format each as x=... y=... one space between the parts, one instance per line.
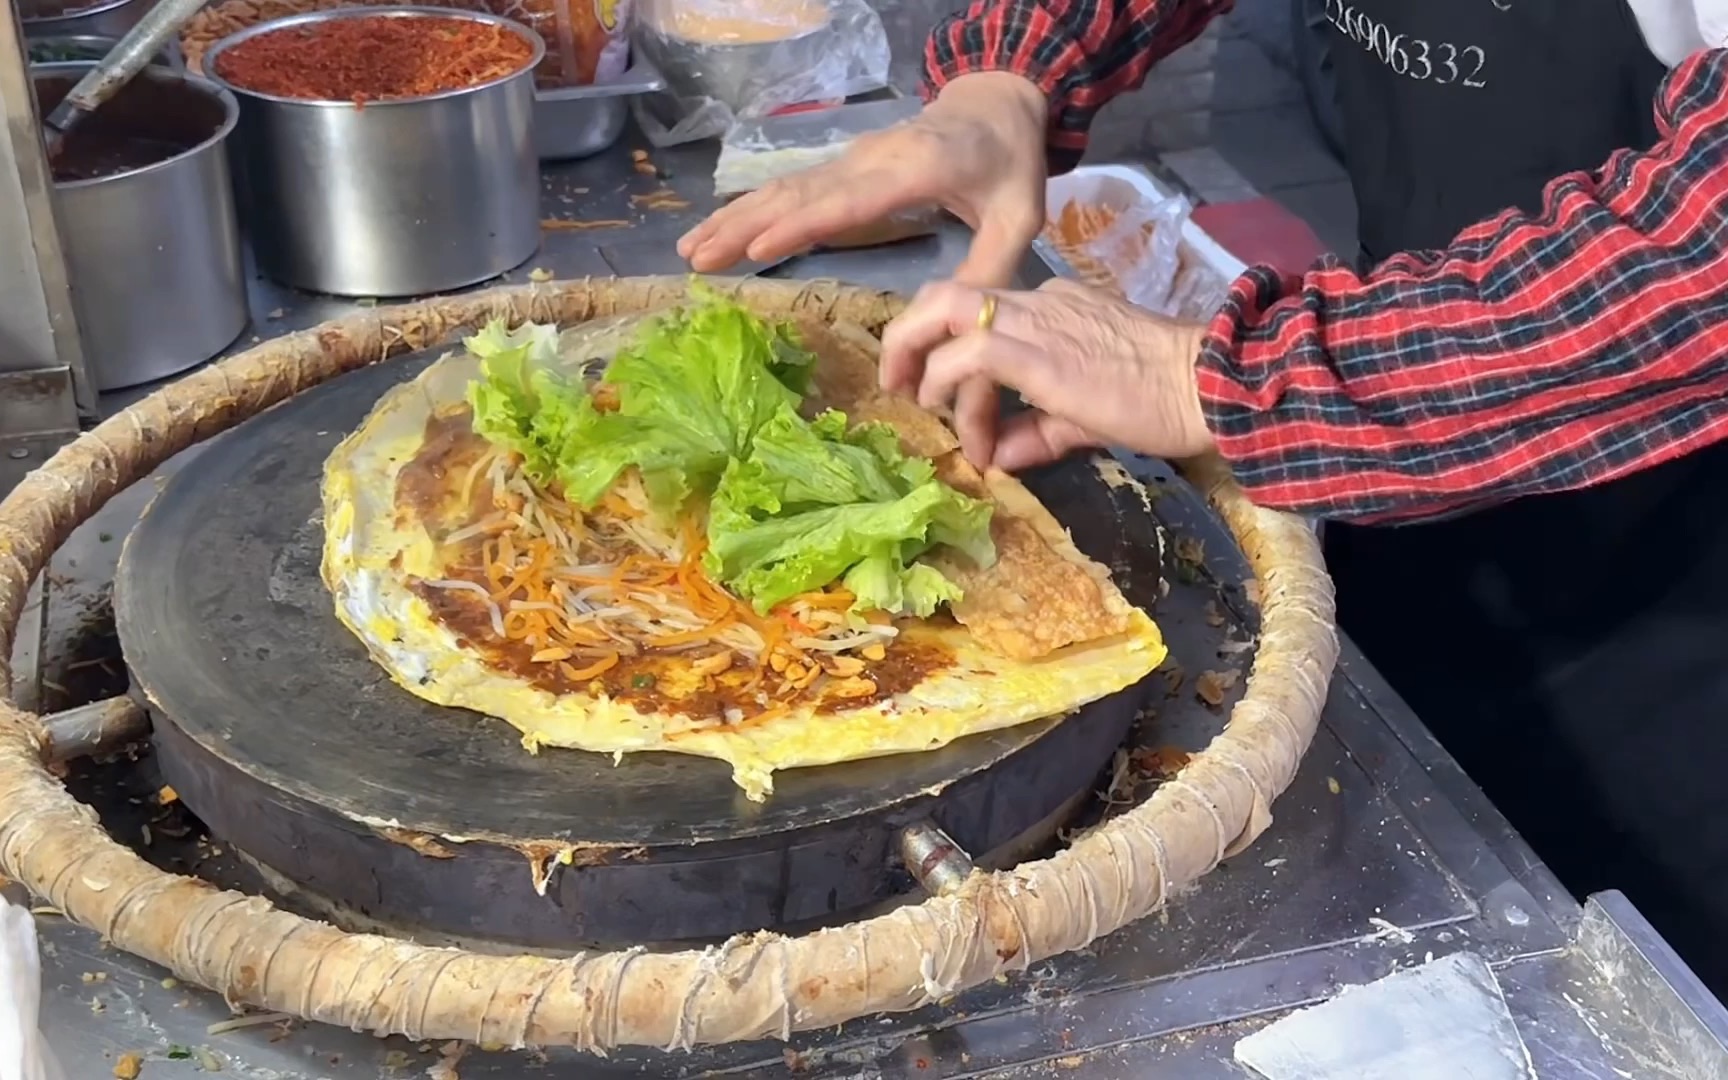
x=94 y=728
x=937 y=863
x=133 y=53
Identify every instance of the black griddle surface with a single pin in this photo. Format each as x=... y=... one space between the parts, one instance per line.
x=229 y=632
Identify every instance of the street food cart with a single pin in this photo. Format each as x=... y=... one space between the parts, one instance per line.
x=1379 y=856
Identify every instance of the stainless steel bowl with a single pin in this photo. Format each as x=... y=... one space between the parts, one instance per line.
x=89 y=49
x=398 y=198
x=153 y=253
x=734 y=74
x=580 y=121
x=57 y=18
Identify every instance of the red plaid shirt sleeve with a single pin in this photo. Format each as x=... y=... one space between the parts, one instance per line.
x=1081 y=53
x=1539 y=352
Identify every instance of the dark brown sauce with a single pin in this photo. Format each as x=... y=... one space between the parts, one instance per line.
x=638 y=680
x=84 y=157
x=149 y=120
x=430 y=485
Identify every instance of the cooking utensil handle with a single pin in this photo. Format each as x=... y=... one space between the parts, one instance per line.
x=130 y=56
x=97 y=728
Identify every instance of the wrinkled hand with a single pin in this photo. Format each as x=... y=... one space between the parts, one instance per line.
x=977 y=151
x=1095 y=369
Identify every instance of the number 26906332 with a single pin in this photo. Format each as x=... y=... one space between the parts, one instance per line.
x=1418 y=58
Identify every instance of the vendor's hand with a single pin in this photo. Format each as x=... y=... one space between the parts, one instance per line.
x=976 y=151
x=1095 y=369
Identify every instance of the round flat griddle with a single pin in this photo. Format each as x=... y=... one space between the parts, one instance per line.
x=276 y=728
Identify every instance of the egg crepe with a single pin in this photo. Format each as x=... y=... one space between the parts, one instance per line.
x=606 y=628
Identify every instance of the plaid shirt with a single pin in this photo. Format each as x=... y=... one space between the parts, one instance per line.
x=1540 y=352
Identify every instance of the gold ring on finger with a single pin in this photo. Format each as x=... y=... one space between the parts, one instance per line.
x=987 y=312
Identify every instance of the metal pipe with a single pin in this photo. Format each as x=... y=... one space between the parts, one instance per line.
x=133 y=54
x=933 y=858
x=95 y=728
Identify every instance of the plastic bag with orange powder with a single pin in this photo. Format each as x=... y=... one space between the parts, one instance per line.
x=1134 y=247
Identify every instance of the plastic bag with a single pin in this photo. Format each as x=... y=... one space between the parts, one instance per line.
x=24 y=1053
x=756 y=151
x=1198 y=292
x=727 y=60
x=1121 y=241
x=587 y=41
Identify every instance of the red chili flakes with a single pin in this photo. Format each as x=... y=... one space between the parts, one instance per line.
x=377 y=58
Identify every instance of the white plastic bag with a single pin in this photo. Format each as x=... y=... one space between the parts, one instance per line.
x=24 y=1053
x=757 y=151
x=1128 y=238
x=726 y=60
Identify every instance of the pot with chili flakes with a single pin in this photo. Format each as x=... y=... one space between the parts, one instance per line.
x=385 y=151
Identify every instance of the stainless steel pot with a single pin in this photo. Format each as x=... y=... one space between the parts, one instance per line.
x=153 y=252
x=580 y=121
x=58 y=18
x=398 y=198
x=736 y=74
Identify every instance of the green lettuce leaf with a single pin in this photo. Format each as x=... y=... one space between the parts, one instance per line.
x=521 y=404
x=708 y=405
x=883 y=582
x=693 y=387
x=767 y=549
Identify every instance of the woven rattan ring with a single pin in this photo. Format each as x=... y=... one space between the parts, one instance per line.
x=753 y=986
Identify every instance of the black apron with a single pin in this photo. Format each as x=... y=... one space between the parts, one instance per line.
x=1571 y=651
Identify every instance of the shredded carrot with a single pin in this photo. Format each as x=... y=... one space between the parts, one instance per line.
x=838 y=599
x=772 y=712
x=524 y=569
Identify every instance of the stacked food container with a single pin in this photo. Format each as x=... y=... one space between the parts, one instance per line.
x=384 y=151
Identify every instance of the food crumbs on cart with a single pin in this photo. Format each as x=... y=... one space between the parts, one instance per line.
x=662 y=199
x=1212 y=686
x=1332 y=785
x=129 y=1066
x=539 y=275
x=449 y=1056
x=166 y=795
x=578 y=225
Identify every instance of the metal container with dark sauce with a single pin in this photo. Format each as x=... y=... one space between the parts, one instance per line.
x=146 y=212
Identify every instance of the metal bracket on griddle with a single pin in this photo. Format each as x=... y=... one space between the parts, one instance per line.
x=935 y=861
x=93 y=729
